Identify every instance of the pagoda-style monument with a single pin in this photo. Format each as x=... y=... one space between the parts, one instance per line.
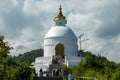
x=60 y=46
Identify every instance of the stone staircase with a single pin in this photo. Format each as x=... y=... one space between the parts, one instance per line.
x=53 y=66
x=48 y=78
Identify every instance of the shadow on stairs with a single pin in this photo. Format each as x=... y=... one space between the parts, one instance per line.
x=48 y=78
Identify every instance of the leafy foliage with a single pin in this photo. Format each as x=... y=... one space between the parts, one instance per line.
x=29 y=56
x=4 y=48
x=15 y=70
x=97 y=66
x=9 y=69
x=66 y=70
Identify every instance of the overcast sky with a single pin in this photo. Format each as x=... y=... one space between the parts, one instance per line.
x=24 y=23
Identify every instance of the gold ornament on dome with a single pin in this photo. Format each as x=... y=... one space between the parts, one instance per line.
x=60 y=15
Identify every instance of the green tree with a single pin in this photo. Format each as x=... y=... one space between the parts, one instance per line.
x=66 y=70
x=10 y=69
x=4 y=48
x=28 y=56
x=88 y=61
x=97 y=66
x=116 y=75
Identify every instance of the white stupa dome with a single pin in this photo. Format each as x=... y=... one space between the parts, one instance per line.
x=60 y=36
x=60 y=31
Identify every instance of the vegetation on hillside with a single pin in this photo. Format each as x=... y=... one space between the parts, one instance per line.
x=95 y=67
x=28 y=56
x=9 y=69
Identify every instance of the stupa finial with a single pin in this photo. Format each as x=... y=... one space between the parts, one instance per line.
x=60 y=15
x=60 y=11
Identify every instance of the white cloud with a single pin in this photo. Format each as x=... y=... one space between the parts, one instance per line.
x=14 y=2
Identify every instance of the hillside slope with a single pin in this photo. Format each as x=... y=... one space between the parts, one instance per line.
x=29 y=56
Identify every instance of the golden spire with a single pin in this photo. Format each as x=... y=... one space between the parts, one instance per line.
x=60 y=15
x=60 y=11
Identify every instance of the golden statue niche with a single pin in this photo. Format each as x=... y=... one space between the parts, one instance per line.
x=59 y=50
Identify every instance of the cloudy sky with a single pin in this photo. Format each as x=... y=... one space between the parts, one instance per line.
x=24 y=23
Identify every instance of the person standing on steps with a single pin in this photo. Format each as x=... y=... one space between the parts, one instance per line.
x=53 y=72
x=41 y=72
x=70 y=76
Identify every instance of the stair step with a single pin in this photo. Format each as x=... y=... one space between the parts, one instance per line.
x=48 y=78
